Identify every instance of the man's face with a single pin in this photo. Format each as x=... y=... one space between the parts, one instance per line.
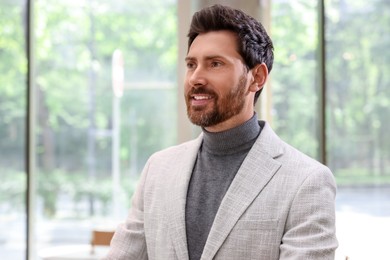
x=216 y=82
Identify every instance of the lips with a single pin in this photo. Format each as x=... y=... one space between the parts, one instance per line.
x=201 y=97
x=200 y=100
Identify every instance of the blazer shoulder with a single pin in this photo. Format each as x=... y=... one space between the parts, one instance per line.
x=178 y=150
x=290 y=157
x=306 y=169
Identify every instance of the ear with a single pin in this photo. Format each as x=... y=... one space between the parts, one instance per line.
x=260 y=75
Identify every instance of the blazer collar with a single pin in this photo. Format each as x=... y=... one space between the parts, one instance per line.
x=255 y=172
x=177 y=195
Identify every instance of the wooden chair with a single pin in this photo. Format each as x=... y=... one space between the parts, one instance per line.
x=100 y=238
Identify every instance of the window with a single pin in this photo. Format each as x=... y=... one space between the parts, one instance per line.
x=13 y=68
x=294 y=76
x=358 y=106
x=91 y=145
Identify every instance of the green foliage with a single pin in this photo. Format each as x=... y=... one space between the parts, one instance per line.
x=357 y=62
x=294 y=74
x=13 y=67
x=75 y=44
x=73 y=47
x=12 y=190
x=359 y=176
x=57 y=188
x=358 y=83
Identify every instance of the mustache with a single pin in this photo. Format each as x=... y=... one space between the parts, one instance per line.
x=201 y=90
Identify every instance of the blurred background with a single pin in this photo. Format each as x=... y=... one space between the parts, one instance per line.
x=89 y=89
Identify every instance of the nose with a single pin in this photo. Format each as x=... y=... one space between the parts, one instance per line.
x=197 y=77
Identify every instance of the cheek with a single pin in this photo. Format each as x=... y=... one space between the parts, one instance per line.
x=227 y=85
x=186 y=83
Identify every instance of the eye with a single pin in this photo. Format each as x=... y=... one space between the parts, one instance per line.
x=191 y=65
x=216 y=64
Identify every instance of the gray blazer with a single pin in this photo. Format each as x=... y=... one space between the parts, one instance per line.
x=280 y=205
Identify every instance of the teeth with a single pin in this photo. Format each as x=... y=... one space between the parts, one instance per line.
x=201 y=97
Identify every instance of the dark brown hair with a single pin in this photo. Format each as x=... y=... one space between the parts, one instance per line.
x=254 y=44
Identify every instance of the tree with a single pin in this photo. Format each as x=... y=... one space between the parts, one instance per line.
x=357 y=63
x=74 y=43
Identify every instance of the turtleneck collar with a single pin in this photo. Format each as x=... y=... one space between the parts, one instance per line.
x=232 y=140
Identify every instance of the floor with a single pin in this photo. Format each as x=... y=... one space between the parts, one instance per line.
x=363 y=223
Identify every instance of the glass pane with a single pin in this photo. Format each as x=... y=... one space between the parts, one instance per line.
x=93 y=144
x=294 y=89
x=358 y=101
x=13 y=68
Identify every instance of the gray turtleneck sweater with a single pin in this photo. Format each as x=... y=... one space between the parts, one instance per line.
x=218 y=161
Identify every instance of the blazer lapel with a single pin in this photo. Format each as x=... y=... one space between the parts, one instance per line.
x=177 y=195
x=255 y=172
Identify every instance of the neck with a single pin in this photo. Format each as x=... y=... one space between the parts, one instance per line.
x=232 y=140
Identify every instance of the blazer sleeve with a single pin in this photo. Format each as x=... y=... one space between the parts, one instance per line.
x=310 y=227
x=129 y=241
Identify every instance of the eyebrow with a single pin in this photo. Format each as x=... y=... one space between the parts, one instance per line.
x=189 y=58
x=210 y=57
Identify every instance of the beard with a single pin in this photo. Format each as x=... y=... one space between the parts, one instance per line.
x=223 y=108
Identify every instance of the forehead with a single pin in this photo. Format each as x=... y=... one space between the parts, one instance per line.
x=219 y=43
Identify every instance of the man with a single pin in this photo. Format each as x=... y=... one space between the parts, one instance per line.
x=237 y=191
